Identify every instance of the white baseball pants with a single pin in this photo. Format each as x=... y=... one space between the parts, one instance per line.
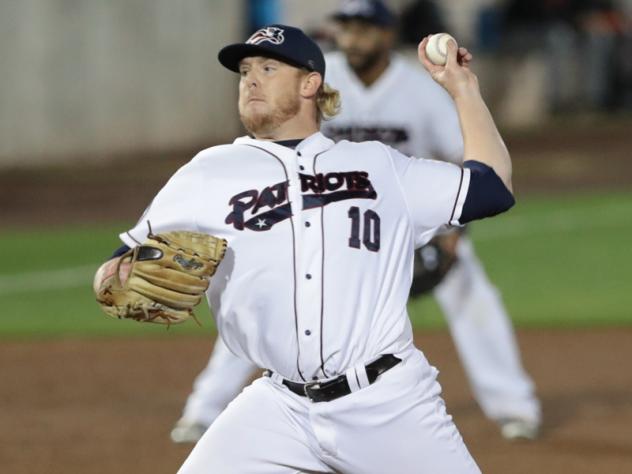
x=214 y=388
x=397 y=425
x=484 y=338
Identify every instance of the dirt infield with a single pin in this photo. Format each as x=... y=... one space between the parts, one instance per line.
x=105 y=406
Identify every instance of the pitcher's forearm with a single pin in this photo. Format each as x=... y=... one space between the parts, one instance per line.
x=481 y=139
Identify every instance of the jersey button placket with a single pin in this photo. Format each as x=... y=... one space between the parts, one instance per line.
x=310 y=260
x=302 y=168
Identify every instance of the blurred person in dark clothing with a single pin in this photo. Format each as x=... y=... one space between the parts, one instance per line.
x=579 y=38
x=418 y=19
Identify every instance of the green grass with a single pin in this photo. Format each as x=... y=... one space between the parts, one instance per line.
x=561 y=261
x=557 y=261
x=33 y=308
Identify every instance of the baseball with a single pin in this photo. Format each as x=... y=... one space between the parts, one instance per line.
x=437 y=48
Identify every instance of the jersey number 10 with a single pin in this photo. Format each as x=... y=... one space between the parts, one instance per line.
x=370 y=231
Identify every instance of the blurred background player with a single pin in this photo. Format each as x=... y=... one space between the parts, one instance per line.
x=387 y=98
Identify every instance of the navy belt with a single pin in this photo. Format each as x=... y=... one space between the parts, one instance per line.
x=338 y=387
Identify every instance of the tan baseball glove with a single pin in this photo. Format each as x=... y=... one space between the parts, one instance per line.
x=168 y=274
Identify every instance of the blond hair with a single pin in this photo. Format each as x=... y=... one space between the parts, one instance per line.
x=327 y=102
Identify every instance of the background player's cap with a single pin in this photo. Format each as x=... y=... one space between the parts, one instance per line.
x=371 y=11
x=285 y=43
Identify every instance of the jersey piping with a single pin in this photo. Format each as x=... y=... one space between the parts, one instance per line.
x=458 y=193
x=298 y=342
x=322 y=276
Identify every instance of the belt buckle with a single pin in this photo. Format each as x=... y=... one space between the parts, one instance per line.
x=307 y=387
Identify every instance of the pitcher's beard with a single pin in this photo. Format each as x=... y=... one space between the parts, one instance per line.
x=263 y=123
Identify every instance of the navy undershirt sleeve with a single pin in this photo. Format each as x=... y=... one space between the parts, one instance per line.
x=487 y=195
x=120 y=251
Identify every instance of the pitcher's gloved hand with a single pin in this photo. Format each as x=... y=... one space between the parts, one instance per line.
x=168 y=274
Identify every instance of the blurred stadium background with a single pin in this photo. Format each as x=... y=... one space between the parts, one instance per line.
x=101 y=101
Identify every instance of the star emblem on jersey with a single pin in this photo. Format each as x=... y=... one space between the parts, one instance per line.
x=271 y=34
x=261 y=223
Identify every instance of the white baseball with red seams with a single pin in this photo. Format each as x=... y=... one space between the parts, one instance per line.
x=437 y=48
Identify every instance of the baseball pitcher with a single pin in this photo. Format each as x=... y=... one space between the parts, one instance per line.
x=386 y=98
x=304 y=250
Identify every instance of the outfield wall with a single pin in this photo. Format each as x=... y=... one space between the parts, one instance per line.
x=90 y=78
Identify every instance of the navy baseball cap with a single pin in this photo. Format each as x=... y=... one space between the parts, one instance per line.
x=370 y=11
x=282 y=42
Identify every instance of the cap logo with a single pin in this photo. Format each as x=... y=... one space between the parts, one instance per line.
x=271 y=34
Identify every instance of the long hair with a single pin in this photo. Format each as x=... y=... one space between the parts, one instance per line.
x=327 y=102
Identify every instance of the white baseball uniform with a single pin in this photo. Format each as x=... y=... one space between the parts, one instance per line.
x=406 y=109
x=314 y=285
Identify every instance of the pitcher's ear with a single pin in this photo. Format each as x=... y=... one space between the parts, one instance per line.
x=310 y=84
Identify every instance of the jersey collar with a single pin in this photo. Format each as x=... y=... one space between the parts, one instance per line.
x=312 y=145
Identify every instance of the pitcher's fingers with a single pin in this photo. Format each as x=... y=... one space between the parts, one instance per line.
x=452 y=53
x=463 y=51
x=421 y=48
x=464 y=57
